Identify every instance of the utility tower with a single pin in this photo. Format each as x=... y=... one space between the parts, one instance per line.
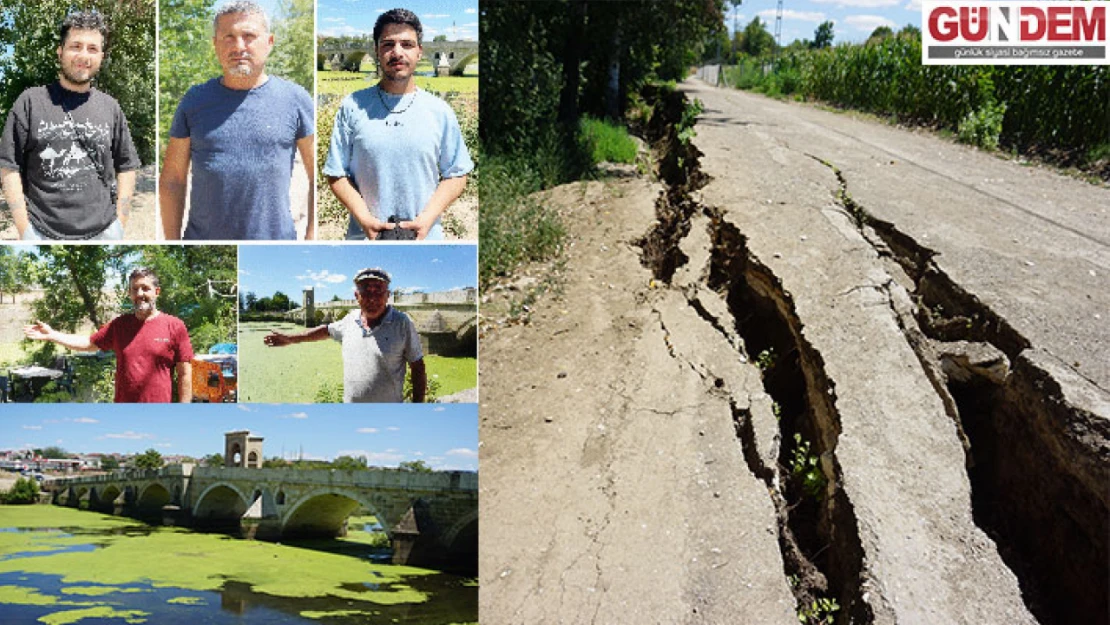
x=778 y=30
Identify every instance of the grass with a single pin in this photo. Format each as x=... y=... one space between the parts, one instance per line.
x=342 y=83
x=606 y=142
x=295 y=373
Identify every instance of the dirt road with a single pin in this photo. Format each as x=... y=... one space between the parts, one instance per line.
x=857 y=364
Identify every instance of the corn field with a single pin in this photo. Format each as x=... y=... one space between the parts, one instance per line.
x=1062 y=109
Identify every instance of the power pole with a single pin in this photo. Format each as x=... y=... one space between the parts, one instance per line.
x=778 y=31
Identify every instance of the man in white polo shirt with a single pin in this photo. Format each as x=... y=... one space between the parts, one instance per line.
x=378 y=341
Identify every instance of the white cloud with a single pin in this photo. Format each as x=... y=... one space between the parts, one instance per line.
x=801 y=16
x=294 y=415
x=913 y=5
x=367 y=430
x=32 y=427
x=85 y=420
x=130 y=435
x=337 y=20
x=867 y=22
x=393 y=428
x=435 y=16
x=163 y=445
x=323 y=276
x=860 y=4
x=462 y=451
x=470 y=11
x=246 y=408
x=244 y=272
x=340 y=31
x=439 y=409
x=436 y=260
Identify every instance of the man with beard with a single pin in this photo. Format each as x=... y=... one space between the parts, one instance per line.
x=396 y=150
x=148 y=345
x=239 y=131
x=67 y=162
x=377 y=342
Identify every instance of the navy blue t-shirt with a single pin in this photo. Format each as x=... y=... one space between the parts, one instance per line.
x=242 y=144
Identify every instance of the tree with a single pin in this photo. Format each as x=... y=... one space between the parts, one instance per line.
x=880 y=33
x=756 y=41
x=274 y=462
x=149 y=459
x=54 y=451
x=439 y=38
x=213 y=460
x=24 y=491
x=347 y=463
x=109 y=463
x=186 y=56
x=250 y=300
x=16 y=272
x=127 y=73
x=414 y=466
x=292 y=58
x=909 y=30
x=823 y=36
x=280 y=302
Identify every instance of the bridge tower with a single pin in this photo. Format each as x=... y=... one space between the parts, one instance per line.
x=242 y=450
x=309 y=307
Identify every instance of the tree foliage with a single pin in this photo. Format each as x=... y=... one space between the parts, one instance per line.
x=24 y=491
x=823 y=36
x=294 y=44
x=414 y=466
x=109 y=463
x=348 y=463
x=55 y=452
x=149 y=459
x=16 y=272
x=756 y=40
x=213 y=460
x=30 y=31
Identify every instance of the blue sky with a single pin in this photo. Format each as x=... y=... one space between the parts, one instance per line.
x=265 y=269
x=853 y=20
x=443 y=435
x=458 y=19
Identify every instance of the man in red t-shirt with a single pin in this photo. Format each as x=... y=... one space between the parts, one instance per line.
x=148 y=344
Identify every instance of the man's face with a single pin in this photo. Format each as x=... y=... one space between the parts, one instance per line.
x=143 y=294
x=242 y=44
x=372 y=296
x=398 y=52
x=80 y=55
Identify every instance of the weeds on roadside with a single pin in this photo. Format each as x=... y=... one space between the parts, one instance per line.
x=606 y=142
x=821 y=611
x=805 y=466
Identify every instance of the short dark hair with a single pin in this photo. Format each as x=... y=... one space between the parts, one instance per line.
x=144 y=272
x=85 y=20
x=398 y=16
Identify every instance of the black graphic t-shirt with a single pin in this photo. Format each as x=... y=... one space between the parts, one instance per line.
x=66 y=197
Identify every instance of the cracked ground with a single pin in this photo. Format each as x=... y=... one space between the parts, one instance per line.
x=631 y=456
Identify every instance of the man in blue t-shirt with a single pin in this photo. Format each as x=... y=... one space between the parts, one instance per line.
x=396 y=151
x=240 y=132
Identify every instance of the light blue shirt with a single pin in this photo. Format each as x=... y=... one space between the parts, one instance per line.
x=396 y=150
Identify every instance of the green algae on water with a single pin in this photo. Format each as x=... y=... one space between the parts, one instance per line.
x=204 y=562
x=319 y=614
x=56 y=516
x=188 y=601
x=99 y=612
x=97 y=591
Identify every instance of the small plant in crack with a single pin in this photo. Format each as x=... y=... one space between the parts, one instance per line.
x=805 y=466
x=776 y=408
x=820 y=611
x=766 y=359
x=690 y=112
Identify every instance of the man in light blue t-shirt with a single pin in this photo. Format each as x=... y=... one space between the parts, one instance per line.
x=396 y=150
x=240 y=132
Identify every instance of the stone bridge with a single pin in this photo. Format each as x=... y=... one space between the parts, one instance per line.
x=349 y=58
x=431 y=518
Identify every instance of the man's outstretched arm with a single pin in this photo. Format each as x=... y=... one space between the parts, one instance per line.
x=281 y=339
x=39 y=331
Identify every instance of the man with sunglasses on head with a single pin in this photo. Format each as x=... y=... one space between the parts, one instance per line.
x=150 y=345
x=378 y=341
x=67 y=162
x=396 y=150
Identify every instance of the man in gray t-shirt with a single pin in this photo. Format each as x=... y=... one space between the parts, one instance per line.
x=378 y=341
x=240 y=133
x=66 y=144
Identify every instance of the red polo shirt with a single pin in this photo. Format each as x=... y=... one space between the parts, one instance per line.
x=146 y=352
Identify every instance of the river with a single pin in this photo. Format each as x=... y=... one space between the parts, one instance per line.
x=60 y=566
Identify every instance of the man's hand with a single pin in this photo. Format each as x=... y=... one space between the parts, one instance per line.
x=372 y=226
x=421 y=225
x=277 y=339
x=38 y=331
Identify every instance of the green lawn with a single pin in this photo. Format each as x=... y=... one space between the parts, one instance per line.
x=342 y=83
x=295 y=373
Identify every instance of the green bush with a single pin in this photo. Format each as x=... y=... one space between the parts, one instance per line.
x=983 y=127
x=24 y=491
x=606 y=142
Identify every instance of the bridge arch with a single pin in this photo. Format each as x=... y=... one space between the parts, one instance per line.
x=323 y=511
x=152 y=497
x=109 y=494
x=221 y=503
